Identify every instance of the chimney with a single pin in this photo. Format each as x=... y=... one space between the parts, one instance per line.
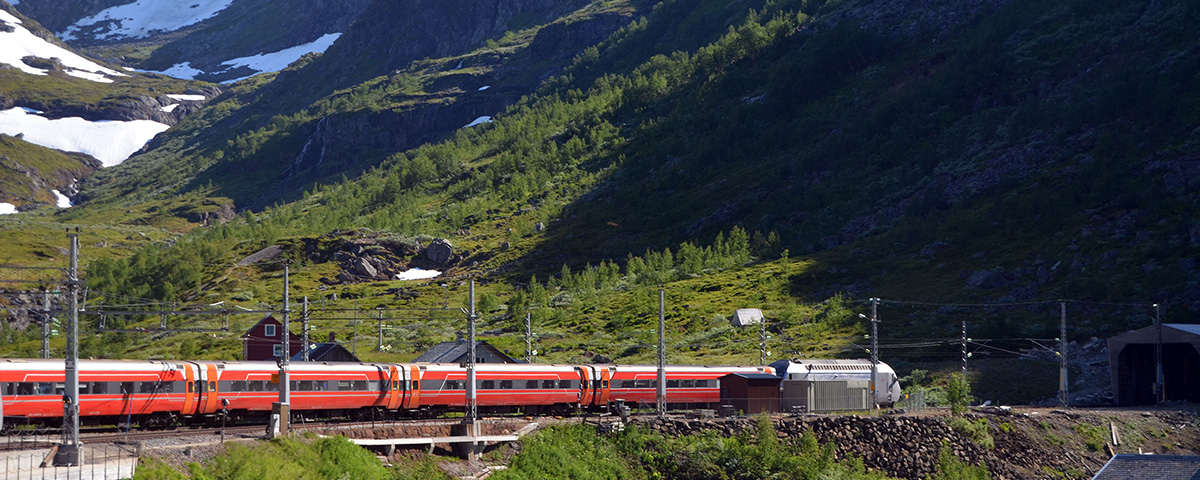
x=332 y=337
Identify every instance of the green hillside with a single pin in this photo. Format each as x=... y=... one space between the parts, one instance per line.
x=986 y=153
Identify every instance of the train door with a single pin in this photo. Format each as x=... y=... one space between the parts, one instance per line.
x=412 y=397
x=605 y=387
x=189 y=389
x=585 y=385
x=393 y=387
x=209 y=398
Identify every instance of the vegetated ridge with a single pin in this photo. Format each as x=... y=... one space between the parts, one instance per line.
x=948 y=152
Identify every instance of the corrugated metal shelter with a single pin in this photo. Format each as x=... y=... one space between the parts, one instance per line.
x=746 y=316
x=1150 y=467
x=1133 y=366
x=751 y=392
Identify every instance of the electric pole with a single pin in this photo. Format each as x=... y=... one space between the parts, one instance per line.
x=472 y=406
x=762 y=341
x=1062 y=355
x=304 y=330
x=46 y=324
x=1160 y=390
x=285 y=391
x=69 y=452
x=662 y=353
x=964 y=351
x=528 y=337
x=874 y=348
x=380 y=311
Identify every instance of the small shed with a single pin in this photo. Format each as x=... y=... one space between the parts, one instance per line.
x=1150 y=467
x=456 y=352
x=751 y=392
x=1133 y=365
x=743 y=317
x=264 y=341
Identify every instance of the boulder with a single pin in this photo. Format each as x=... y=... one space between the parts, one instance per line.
x=363 y=267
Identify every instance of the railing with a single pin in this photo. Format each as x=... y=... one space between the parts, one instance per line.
x=103 y=461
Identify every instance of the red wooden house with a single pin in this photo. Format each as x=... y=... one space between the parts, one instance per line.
x=264 y=340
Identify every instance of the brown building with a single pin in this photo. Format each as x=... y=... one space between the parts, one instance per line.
x=751 y=393
x=264 y=341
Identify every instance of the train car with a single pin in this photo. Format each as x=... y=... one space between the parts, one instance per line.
x=502 y=388
x=828 y=385
x=688 y=386
x=152 y=393
x=354 y=390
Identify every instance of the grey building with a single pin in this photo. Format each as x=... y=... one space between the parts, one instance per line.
x=456 y=352
x=1134 y=367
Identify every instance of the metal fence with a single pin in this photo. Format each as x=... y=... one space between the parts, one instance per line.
x=101 y=461
x=913 y=401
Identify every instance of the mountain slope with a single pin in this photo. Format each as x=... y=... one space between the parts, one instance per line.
x=993 y=152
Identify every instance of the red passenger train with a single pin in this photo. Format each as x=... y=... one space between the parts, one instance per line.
x=163 y=393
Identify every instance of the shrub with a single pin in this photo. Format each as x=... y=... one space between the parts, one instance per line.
x=978 y=431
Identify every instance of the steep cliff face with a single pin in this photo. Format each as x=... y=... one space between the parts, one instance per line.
x=390 y=34
x=252 y=27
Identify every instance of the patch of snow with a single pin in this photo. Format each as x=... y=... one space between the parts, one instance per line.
x=109 y=141
x=186 y=98
x=14 y=2
x=417 y=274
x=95 y=77
x=30 y=110
x=61 y=200
x=479 y=121
x=7 y=208
x=170 y=108
x=179 y=70
x=275 y=61
x=21 y=43
x=263 y=62
x=485 y=87
x=143 y=17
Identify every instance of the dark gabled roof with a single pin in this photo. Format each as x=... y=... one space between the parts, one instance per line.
x=323 y=351
x=758 y=376
x=1151 y=467
x=449 y=352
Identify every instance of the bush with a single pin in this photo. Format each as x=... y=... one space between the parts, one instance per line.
x=978 y=431
x=958 y=393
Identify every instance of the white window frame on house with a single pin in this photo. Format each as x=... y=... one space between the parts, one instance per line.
x=269 y=331
x=277 y=350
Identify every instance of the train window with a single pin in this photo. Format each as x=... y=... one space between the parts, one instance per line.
x=345 y=385
x=9 y=388
x=604 y=384
x=146 y=387
x=564 y=384
x=673 y=383
x=685 y=383
x=234 y=386
x=547 y=383
x=506 y=385
x=212 y=386
x=45 y=388
x=360 y=385
x=271 y=387
x=701 y=383
x=25 y=388
x=252 y=385
x=488 y=385
x=83 y=388
x=416 y=385
x=641 y=384
x=531 y=384
x=304 y=386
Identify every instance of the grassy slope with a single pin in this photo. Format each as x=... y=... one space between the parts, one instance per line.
x=863 y=149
